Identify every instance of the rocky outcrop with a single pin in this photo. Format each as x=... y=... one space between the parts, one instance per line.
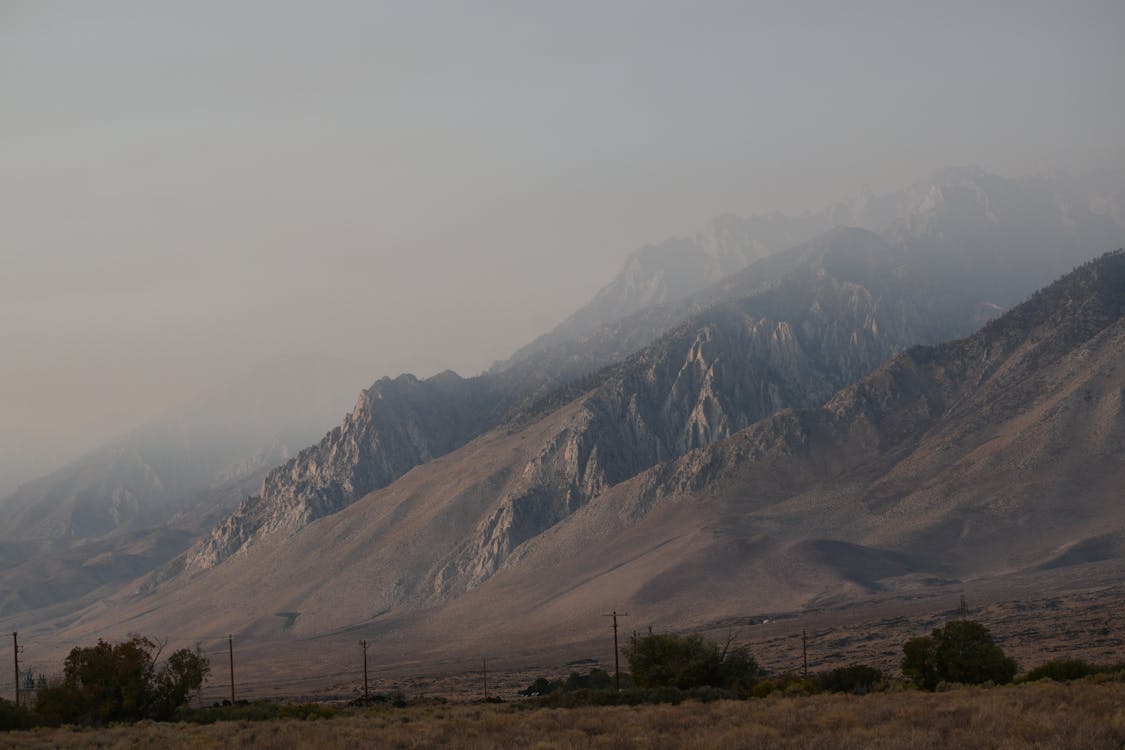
x=995 y=239
x=395 y=425
x=955 y=394
x=668 y=272
x=847 y=310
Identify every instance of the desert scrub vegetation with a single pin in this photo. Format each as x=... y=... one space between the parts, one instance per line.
x=256 y=711
x=1045 y=714
x=1066 y=670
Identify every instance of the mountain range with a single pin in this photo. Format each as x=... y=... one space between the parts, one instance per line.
x=771 y=401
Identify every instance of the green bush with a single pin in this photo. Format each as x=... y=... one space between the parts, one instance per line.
x=15 y=717
x=1065 y=670
x=660 y=660
x=961 y=652
x=786 y=684
x=596 y=679
x=855 y=678
x=541 y=686
x=59 y=703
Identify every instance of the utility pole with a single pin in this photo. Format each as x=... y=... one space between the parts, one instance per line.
x=964 y=608
x=16 y=654
x=364 y=644
x=230 y=644
x=804 y=653
x=616 y=651
x=484 y=671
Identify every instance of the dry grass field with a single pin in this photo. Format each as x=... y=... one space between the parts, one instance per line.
x=1040 y=715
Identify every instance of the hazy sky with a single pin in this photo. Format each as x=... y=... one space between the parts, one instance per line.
x=188 y=189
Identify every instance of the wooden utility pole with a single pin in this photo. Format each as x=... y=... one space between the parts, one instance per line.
x=616 y=651
x=804 y=653
x=230 y=644
x=364 y=644
x=16 y=655
x=484 y=671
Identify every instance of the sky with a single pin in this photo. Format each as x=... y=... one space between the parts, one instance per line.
x=192 y=191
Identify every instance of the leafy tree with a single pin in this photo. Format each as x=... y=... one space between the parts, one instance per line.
x=184 y=672
x=120 y=682
x=684 y=662
x=962 y=651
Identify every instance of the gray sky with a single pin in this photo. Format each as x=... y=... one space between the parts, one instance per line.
x=189 y=189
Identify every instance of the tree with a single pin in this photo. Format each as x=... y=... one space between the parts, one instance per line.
x=184 y=672
x=119 y=682
x=684 y=662
x=962 y=651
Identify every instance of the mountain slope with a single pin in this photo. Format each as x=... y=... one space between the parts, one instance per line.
x=996 y=455
x=357 y=460
x=135 y=504
x=166 y=466
x=395 y=426
x=447 y=526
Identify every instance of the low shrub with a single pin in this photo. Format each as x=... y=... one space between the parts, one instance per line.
x=858 y=679
x=305 y=711
x=595 y=679
x=15 y=717
x=395 y=698
x=256 y=711
x=786 y=684
x=633 y=697
x=1066 y=670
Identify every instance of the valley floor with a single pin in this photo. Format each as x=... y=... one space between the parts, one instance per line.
x=1039 y=715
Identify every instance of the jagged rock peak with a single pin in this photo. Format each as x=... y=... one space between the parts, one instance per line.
x=396 y=424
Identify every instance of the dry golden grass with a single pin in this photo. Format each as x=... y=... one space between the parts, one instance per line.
x=1041 y=715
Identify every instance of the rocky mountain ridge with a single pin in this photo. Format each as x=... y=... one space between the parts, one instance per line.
x=1017 y=234
x=952 y=217
x=395 y=425
x=847 y=308
x=994 y=456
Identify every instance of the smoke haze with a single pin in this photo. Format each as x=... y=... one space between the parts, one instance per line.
x=192 y=192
